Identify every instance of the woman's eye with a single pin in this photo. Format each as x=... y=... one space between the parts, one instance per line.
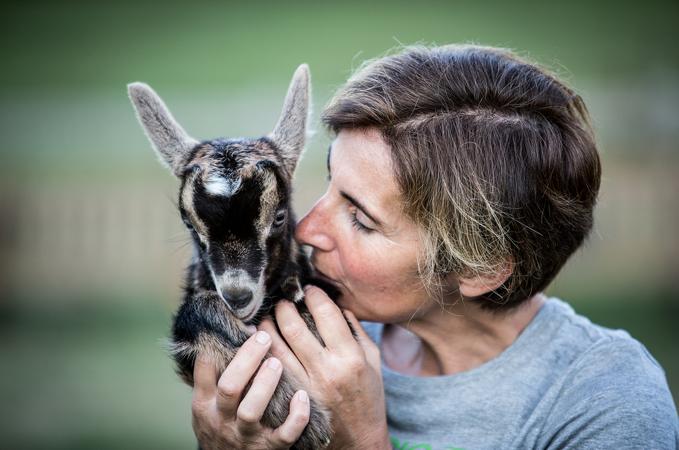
x=357 y=223
x=279 y=220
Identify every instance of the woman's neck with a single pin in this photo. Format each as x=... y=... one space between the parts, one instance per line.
x=455 y=339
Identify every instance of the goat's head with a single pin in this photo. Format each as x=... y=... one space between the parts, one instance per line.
x=234 y=195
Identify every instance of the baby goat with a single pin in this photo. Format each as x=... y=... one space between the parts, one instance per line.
x=235 y=200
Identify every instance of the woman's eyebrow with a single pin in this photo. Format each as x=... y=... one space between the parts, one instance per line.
x=361 y=207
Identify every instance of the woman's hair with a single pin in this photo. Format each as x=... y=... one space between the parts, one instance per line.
x=494 y=157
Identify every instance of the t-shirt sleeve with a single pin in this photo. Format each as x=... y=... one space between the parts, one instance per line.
x=615 y=397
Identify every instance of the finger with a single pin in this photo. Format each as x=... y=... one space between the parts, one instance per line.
x=298 y=337
x=251 y=409
x=280 y=350
x=204 y=378
x=288 y=433
x=239 y=371
x=331 y=324
x=371 y=349
x=361 y=334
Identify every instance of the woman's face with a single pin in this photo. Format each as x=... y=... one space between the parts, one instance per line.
x=361 y=239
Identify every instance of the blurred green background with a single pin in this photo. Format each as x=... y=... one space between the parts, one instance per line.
x=93 y=249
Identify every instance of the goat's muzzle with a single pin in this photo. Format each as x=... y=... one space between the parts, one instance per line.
x=237 y=298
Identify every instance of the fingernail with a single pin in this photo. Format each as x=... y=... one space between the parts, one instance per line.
x=274 y=364
x=262 y=337
x=303 y=396
x=251 y=329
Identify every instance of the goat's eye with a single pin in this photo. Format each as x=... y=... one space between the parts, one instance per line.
x=280 y=218
x=189 y=225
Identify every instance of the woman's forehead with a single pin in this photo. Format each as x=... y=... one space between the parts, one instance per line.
x=360 y=162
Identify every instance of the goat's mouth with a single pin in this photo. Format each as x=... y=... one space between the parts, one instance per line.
x=242 y=296
x=246 y=313
x=250 y=316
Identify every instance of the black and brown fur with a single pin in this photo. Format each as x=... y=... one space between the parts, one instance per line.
x=235 y=200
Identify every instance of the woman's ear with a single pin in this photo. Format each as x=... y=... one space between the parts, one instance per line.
x=475 y=285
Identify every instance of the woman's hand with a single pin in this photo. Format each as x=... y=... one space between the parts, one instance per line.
x=225 y=416
x=344 y=376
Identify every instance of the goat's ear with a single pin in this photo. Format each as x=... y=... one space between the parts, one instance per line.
x=168 y=138
x=290 y=131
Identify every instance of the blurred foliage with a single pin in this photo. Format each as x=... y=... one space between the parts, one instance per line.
x=85 y=45
x=85 y=368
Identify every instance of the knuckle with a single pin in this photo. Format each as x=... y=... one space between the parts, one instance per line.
x=292 y=331
x=279 y=440
x=286 y=438
x=338 y=378
x=332 y=379
x=302 y=418
x=353 y=365
x=202 y=361
x=288 y=435
x=326 y=311
x=198 y=408
x=247 y=416
x=228 y=390
x=345 y=372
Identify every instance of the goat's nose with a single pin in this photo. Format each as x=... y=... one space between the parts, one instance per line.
x=237 y=298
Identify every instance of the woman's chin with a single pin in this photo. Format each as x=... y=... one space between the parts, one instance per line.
x=344 y=301
x=347 y=301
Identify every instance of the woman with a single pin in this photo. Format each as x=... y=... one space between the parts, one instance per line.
x=461 y=180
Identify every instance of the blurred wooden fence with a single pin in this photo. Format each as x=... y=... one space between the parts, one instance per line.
x=78 y=241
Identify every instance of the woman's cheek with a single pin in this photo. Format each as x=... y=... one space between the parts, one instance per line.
x=371 y=272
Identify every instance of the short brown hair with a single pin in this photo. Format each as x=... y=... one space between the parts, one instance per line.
x=495 y=159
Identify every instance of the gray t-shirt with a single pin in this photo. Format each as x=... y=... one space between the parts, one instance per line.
x=565 y=383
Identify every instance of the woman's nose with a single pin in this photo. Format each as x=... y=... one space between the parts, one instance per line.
x=314 y=228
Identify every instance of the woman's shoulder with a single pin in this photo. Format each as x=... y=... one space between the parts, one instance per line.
x=617 y=367
x=614 y=385
x=596 y=361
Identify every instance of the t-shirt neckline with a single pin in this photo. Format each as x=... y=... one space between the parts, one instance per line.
x=522 y=340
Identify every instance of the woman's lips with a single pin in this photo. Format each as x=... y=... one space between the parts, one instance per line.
x=332 y=288
x=326 y=278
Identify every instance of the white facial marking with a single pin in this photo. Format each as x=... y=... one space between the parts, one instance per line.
x=217 y=185
x=234 y=279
